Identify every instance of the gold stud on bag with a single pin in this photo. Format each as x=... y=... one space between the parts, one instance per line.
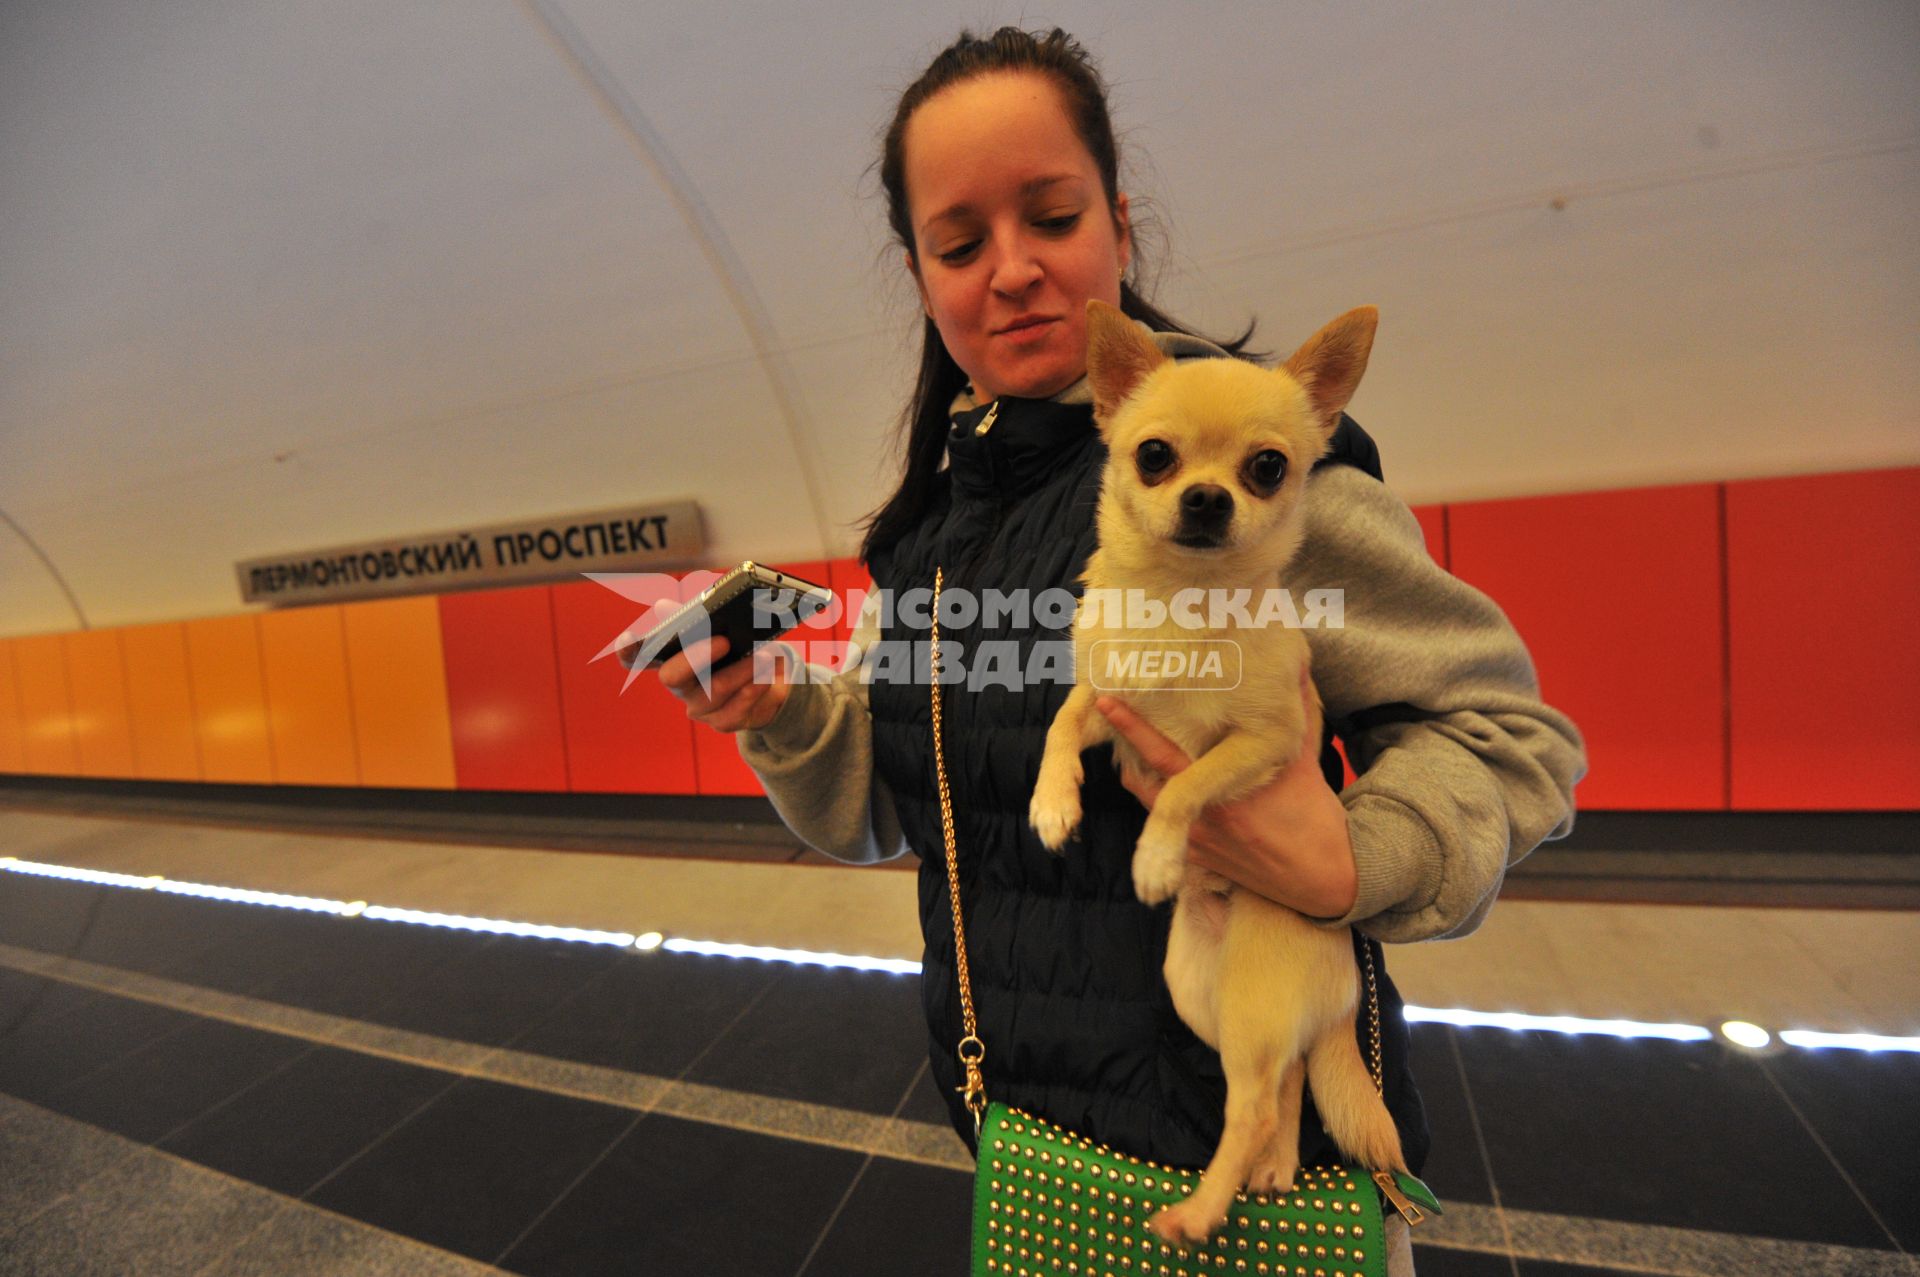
x=1048 y=1201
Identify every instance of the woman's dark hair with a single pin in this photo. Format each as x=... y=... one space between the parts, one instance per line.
x=1059 y=57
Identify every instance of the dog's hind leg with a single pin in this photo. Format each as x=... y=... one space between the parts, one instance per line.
x=1253 y=1114
x=1262 y=1026
x=1275 y=1168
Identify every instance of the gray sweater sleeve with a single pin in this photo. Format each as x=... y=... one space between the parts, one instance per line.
x=815 y=759
x=1461 y=770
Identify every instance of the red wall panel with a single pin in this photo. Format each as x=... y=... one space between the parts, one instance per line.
x=1433 y=525
x=230 y=699
x=637 y=740
x=46 y=705
x=1618 y=596
x=1823 y=581
x=503 y=689
x=166 y=744
x=102 y=730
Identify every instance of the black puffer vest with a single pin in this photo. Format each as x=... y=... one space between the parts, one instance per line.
x=1065 y=961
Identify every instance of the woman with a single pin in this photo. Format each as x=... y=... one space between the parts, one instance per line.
x=1002 y=186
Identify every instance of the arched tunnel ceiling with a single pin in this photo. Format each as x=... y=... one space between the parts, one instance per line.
x=293 y=275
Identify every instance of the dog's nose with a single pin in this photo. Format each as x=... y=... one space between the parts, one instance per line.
x=1206 y=503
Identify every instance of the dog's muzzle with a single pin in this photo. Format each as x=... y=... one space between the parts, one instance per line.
x=1206 y=512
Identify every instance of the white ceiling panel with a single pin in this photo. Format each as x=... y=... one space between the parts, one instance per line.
x=291 y=275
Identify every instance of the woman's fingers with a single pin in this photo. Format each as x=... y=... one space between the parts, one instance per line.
x=1160 y=754
x=1155 y=750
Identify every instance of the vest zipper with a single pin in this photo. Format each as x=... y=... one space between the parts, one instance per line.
x=986 y=422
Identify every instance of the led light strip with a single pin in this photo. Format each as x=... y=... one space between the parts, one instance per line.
x=647 y=941
x=803 y=957
x=1558 y=1024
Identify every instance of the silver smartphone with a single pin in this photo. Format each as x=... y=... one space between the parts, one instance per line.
x=750 y=605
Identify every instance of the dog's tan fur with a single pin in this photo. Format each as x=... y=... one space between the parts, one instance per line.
x=1273 y=993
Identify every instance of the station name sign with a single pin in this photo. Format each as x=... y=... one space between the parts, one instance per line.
x=616 y=540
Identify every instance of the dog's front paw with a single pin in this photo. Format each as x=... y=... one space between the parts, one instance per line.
x=1159 y=864
x=1054 y=812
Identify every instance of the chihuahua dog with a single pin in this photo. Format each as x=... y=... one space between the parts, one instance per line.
x=1202 y=501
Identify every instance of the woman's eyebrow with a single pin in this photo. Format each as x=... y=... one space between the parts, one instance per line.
x=1028 y=189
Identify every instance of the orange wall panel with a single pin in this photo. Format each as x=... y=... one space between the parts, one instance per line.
x=397 y=681
x=102 y=724
x=46 y=705
x=1433 y=525
x=166 y=744
x=503 y=689
x=303 y=651
x=13 y=748
x=621 y=738
x=1618 y=596
x=1823 y=591
x=230 y=699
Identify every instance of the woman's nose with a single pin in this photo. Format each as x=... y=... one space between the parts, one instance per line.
x=1015 y=268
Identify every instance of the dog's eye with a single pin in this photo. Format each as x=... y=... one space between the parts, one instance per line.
x=1267 y=468
x=1153 y=456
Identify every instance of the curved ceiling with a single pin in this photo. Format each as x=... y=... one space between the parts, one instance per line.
x=286 y=276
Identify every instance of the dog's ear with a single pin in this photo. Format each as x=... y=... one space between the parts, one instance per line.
x=1330 y=364
x=1119 y=356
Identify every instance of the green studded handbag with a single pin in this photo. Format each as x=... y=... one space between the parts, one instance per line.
x=1048 y=1201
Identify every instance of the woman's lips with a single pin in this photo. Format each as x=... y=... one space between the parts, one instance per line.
x=1027 y=326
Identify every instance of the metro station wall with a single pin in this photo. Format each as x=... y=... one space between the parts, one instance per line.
x=1723 y=646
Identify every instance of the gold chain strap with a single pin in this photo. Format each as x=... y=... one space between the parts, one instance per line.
x=972 y=1051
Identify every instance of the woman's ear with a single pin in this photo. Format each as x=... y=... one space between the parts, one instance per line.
x=1123 y=223
x=920 y=285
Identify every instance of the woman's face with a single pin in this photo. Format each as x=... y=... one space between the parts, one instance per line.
x=1012 y=232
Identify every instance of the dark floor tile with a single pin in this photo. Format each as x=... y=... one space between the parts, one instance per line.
x=1455 y=1169
x=1689 y=1135
x=303 y=1122
x=679 y=1198
x=654 y=1014
x=154 y=931
x=20 y=993
x=925 y=1103
x=69 y=1033
x=339 y=966
x=1865 y=1107
x=901 y=1218
x=170 y=1082
x=1440 y=1261
x=853 y=1039
x=493 y=993
x=46 y=913
x=476 y=1167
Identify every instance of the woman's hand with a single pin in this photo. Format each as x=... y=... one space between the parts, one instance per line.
x=742 y=697
x=1286 y=840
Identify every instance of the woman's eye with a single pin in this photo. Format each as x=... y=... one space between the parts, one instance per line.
x=958 y=253
x=1064 y=222
x=1153 y=456
x=1268 y=468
